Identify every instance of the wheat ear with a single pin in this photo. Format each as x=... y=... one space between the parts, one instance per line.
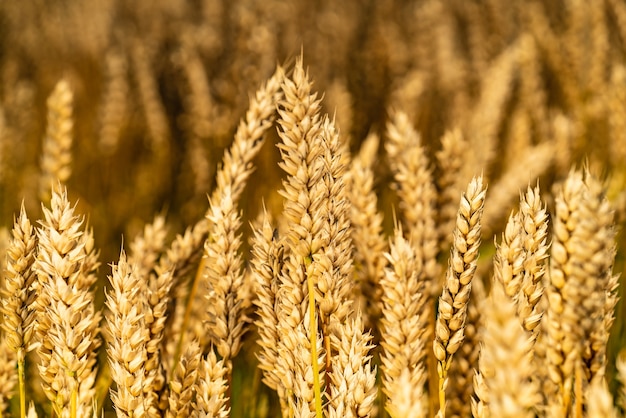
x=580 y=279
x=17 y=296
x=127 y=337
x=452 y=309
x=67 y=322
x=503 y=383
x=56 y=155
x=403 y=360
x=183 y=384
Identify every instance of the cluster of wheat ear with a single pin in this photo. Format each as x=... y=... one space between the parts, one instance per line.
x=342 y=320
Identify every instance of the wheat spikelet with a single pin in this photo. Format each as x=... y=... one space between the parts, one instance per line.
x=224 y=276
x=67 y=325
x=183 y=385
x=403 y=360
x=17 y=297
x=534 y=219
x=353 y=380
x=211 y=399
x=460 y=389
x=503 y=382
x=114 y=103
x=458 y=284
x=415 y=190
x=305 y=211
x=580 y=277
x=56 y=155
x=127 y=337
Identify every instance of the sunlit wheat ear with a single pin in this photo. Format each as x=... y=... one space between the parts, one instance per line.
x=581 y=285
x=458 y=284
x=305 y=211
x=403 y=360
x=503 y=383
x=17 y=297
x=67 y=324
x=56 y=155
x=353 y=379
x=211 y=398
x=127 y=337
x=534 y=220
x=183 y=385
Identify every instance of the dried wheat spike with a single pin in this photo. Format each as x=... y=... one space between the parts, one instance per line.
x=224 y=276
x=452 y=309
x=67 y=325
x=114 y=107
x=17 y=293
x=508 y=262
x=367 y=236
x=56 y=155
x=416 y=190
x=353 y=379
x=127 y=337
x=460 y=389
x=580 y=280
x=211 y=398
x=147 y=247
x=305 y=212
x=32 y=412
x=534 y=219
x=504 y=384
x=403 y=360
x=183 y=385
x=450 y=183
x=267 y=262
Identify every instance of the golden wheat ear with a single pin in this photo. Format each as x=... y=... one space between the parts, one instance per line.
x=452 y=310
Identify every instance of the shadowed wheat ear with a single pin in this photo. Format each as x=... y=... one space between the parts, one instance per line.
x=453 y=301
x=17 y=297
x=68 y=324
x=581 y=285
x=56 y=155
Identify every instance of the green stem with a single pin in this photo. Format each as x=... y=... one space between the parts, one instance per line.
x=313 y=330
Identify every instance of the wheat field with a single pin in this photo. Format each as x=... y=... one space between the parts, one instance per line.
x=277 y=208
